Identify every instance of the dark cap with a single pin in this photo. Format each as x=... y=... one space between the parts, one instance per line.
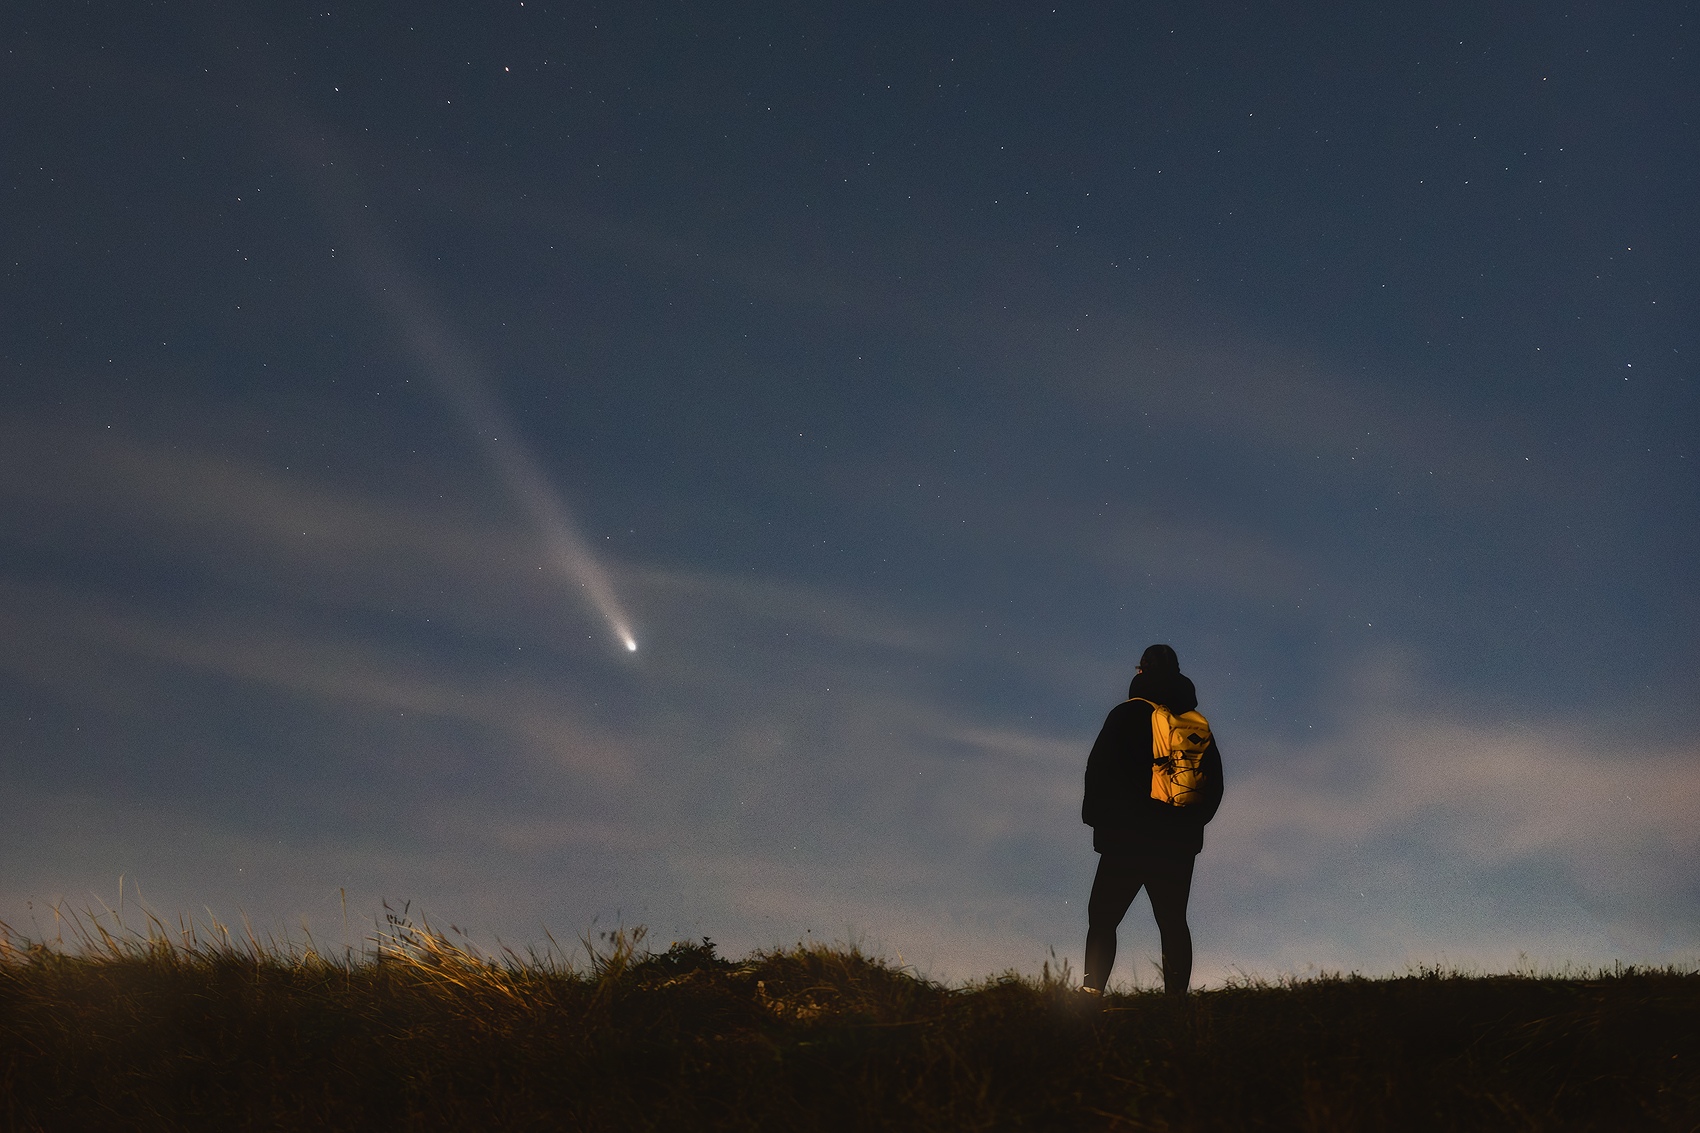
x=1159 y=659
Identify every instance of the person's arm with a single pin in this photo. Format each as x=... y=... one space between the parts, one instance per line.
x=1097 y=771
x=1107 y=766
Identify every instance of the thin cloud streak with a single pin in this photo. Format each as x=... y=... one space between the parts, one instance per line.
x=40 y=621
x=242 y=520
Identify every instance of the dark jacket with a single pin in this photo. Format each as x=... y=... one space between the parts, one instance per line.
x=1118 y=803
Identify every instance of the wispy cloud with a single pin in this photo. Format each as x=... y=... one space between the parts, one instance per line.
x=313 y=665
x=1230 y=392
x=1425 y=828
x=787 y=757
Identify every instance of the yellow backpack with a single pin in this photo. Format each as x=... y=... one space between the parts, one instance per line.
x=1178 y=744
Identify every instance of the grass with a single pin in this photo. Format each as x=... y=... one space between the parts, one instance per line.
x=192 y=1028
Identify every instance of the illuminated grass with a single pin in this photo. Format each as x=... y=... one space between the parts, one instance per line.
x=193 y=1027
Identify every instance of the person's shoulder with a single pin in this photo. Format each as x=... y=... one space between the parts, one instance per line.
x=1137 y=706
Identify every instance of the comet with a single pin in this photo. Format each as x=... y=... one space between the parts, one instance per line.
x=460 y=378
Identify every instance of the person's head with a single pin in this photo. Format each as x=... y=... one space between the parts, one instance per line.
x=1159 y=679
x=1159 y=659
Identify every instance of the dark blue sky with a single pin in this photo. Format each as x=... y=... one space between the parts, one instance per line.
x=903 y=371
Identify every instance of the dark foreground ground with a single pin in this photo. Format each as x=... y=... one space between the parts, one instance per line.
x=143 y=1035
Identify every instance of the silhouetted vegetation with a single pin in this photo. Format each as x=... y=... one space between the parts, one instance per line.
x=167 y=1031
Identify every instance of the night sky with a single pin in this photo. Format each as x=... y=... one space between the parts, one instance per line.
x=892 y=375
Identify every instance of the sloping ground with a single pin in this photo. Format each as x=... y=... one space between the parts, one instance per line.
x=425 y=1036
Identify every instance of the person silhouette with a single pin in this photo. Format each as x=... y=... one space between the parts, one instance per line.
x=1144 y=841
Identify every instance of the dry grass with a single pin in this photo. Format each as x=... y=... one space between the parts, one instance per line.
x=193 y=1027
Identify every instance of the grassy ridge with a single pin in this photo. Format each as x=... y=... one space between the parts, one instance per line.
x=154 y=1034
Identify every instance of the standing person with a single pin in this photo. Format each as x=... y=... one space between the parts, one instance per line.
x=1142 y=840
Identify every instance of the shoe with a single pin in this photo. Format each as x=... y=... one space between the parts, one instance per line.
x=1088 y=999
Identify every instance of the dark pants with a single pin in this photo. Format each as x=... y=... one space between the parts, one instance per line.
x=1169 y=882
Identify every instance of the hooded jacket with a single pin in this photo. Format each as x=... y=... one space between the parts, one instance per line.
x=1118 y=803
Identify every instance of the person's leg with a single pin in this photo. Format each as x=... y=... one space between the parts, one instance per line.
x=1113 y=890
x=1169 y=882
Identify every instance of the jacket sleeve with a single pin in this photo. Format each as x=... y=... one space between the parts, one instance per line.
x=1098 y=770
x=1107 y=767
